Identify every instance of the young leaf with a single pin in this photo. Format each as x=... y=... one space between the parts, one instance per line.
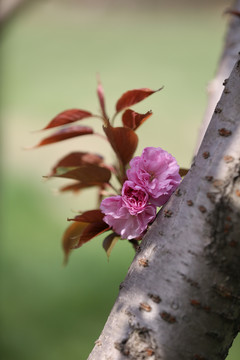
x=133 y=119
x=91 y=216
x=67 y=117
x=132 y=97
x=89 y=174
x=76 y=187
x=109 y=242
x=123 y=141
x=100 y=94
x=64 y=134
x=183 y=171
x=80 y=232
x=78 y=158
x=93 y=230
x=71 y=237
x=96 y=225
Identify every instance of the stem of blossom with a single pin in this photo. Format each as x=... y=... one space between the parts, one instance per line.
x=100 y=196
x=100 y=117
x=135 y=244
x=122 y=172
x=106 y=121
x=113 y=187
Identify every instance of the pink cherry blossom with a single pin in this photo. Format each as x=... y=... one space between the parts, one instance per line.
x=134 y=197
x=125 y=224
x=157 y=172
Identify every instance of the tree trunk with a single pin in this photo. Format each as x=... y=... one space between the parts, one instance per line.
x=181 y=297
x=225 y=66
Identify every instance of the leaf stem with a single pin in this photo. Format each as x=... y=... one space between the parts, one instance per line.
x=103 y=118
x=113 y=118
x=114 y=188
x=122 y=171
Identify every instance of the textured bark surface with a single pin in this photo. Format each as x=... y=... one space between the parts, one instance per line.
x=226 y=63
x=181 y=297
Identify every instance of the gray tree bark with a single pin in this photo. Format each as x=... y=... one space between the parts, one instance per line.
x=227 y=60
x=181 y=296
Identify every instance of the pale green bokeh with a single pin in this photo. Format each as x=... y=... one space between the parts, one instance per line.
x=50 y=57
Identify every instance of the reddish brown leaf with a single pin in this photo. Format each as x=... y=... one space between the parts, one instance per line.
x=132 y=97
x=95 y=227
x=100 y=94
x=71 y=237
x=76 y=187
x=90 y=216
x=75 y=159
x=80 y=232
x=89 y=174
x=123 y=141
x=93 y=230
x=65 y=134
x=67 y=117
x=133 y=119
x=109 y=242
x=183 y=171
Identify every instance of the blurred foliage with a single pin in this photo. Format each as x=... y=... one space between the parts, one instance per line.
x=48 y=311
x=50 y=55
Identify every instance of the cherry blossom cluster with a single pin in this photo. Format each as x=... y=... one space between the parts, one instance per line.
x=141 y=184
x=151 y=179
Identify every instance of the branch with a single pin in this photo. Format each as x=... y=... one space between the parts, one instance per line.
x=226 y=63
x=183 y=301
x=11 y=7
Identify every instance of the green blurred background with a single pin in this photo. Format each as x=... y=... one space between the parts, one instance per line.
x=50 y=54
